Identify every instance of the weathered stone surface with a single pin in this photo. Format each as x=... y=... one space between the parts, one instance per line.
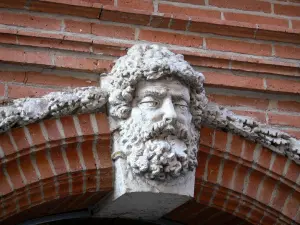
x=56 y=104
x=271 y=138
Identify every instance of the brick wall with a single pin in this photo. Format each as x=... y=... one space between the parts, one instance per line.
x=248 y=50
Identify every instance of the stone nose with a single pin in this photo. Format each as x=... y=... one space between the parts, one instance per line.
x=169 y=112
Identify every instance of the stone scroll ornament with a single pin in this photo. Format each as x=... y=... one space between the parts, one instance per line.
x=158 y=104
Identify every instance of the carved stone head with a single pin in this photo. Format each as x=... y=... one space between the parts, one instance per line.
x=157 y=99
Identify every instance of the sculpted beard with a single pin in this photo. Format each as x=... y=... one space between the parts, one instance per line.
x=159 y=150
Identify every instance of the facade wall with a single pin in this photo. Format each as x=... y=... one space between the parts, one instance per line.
x=249 y=52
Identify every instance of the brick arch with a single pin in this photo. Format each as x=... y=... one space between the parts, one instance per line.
x=56 y=161
x=247 y=180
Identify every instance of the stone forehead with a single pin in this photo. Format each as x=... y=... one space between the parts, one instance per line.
x=163 y=84
x=150 y=62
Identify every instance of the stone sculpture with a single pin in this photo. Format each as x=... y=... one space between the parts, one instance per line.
x=145 y=63
x=156 y=106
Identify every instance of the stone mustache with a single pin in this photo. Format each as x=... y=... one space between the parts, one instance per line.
x=156 y=104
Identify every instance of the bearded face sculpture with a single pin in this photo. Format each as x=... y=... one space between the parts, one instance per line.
x=157 y=99
x=159 y=138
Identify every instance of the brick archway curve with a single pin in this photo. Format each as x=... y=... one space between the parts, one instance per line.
x=54 y=161
x=247 y=180
x=254 y=185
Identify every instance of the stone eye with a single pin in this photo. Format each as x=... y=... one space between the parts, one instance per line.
x=149 y=102
x=183 y=105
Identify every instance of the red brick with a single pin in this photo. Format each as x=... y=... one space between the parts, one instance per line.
x=260 y=116
x=192 y=12
x=85 y=124
x=205 y=196
x=171 y=38
x=110 y=51
x=11 y=55
x=36 y=134
x=160 y=22
x=16 y=91
x=69 y=127
x=102 y=123
x=289 y=120
x=42 y=58
x=194 y=2
x=60 y=43
x=104 y=155
x=238 y=46
x=292 y=172
x=87 y=152
x=232 y=81
x=8 y=38
x=288 y=106
x=255 y=19
x=62 y=81
x=76 y=26
x=2 y=89
x=287 y=10
x=206 y=135
x=240 y=176
x=129 y=16
x=292 y=205
x=220 y=140
x=281 y=195
x=112 y=31
x=43 y=165
x=13 y=4
x=207 y=62
x=213 y=168
x=247 y=5
x=83 y=63
x=137 y=4
x=260 y=66
x=6 y=144
x=226 y=100
x=179 y=22
x=287 y=52
x=279 y=164
x=12 y=76
x=23 y=202
x=76 y=8
x=52 y=130
x=266 y=191
x=256 y=214
x=255 y=179
x=4 y=187
x=58 y=161
x=296 y=24
x=201 y=169
x=28 y=169
x=221 y=27
x=49 y=192
x=228 y=173
x=236 y=145
x=268 y=32
x=286 y=86
x=20 y=138
x=264 y=159
x=14 y=174
x=73 y=158
x=26 y=20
